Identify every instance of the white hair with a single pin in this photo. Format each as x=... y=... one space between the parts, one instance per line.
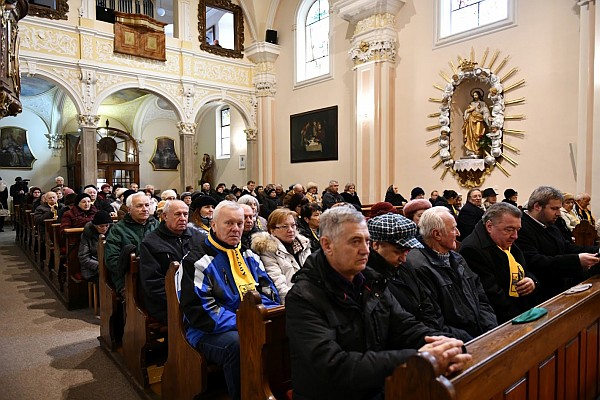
x=129 y=200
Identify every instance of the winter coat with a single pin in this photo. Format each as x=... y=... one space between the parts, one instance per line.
x=76 y=218
x=207 y=293
x=455 y=290
x=486 y=259
x=468 y=217
x=343 y=345
x=305 y=231
x=395 y=198
x=352 y=199
x=126 y=231
x=553 y=260
x=157 y=250
x=330 y=198
x=88 y=252
x=278 y=262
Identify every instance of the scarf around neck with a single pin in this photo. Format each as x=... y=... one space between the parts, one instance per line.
x=244 y=281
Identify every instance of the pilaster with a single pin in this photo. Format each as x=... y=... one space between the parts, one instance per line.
x=187 y=132
x=89 y=163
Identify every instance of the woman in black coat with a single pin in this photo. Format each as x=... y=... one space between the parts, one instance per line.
x=351 y=197
x=392 y=196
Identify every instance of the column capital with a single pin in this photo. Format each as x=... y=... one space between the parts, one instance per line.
x=88 y=120
x=582 y=3
x=354 y=11
x=251 y=134
x=374 y=50
x=186 y=128
x=263 y=55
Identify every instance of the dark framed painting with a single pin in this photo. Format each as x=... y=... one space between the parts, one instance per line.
x=164 y=158
x=314 y=135
x=14 y=148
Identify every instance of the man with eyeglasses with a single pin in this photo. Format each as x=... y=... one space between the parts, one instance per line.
x=491 y=253
x=470 y=213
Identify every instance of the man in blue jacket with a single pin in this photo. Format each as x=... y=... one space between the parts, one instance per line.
x=210 y=283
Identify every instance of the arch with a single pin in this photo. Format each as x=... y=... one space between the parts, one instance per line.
x=272 y=12
x=55 y=78
x=100 y=97
x=249 y=21
x=236 y=103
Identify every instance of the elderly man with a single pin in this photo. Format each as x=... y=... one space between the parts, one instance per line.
x=331 y=195
x=59 y=182
x=211 y=281
x=96 y=201
x=250 y=227
x=491 y=253
x=470 y=214
x=131 y=230
x=171 y=241
x=347 y=335
x=582 y=202
x=454 y=288
x=557 y=263
x=296 y=189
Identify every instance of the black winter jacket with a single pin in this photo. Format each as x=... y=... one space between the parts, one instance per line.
x=468 y=217
x=553 y=260
x=157 y=250
x=456 y=291
x=342 y=348
x=486 y=259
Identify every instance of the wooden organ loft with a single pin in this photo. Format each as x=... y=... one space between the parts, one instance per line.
x=10 y=81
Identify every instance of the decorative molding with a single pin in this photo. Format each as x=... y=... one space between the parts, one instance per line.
x=88 y=121
x=378 y=50
x=88 y=89
x=354 y=11
x=188 y=93
x=221 y=72
x=251 y=134
x=56 y=141
x=187 y=128
x=49 y=41
x=376 y=21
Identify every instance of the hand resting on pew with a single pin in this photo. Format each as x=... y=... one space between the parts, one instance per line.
x=448 y=352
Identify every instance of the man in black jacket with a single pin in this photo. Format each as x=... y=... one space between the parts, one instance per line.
x=470 y=214
x=346 y=336
x=557 y=263
x=491 y=253
x=454 y=288
x=169 y=242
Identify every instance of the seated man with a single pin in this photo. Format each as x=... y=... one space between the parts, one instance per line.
x=454 y=288
x=557 y=263
x=171 y=241
x=392 y=237
x=250 y=227
x=210 y=283
x=491 y=253
x=345 y=335
x=131 y=230
x=470 y=214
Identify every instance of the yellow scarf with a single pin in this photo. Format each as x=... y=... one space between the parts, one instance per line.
x=244 y=281
x=516 y=273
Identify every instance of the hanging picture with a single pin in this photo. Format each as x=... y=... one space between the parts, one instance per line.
x=314 y=136
x=14 y=149
x=164 y=158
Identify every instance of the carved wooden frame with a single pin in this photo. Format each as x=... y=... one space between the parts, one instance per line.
x=238 y=21
x=62 y=8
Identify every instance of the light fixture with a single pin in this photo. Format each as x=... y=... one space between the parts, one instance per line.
x=160 y=11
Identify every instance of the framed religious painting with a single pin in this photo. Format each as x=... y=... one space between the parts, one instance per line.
x=14 y=148
x=164 y=158
x=314 y=135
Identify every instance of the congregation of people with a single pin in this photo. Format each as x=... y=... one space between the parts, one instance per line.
x=361 y=294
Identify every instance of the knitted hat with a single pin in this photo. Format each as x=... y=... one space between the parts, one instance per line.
x=119 y=192
x=394 y=228
x=508 y=193
x=383 y=207
x=127 y=193
x=411 y=208
x=80 y=197
x=202 y=201
x=161 y=205
x=168 y=193
x=568 y=196
x=106 y=185
x=67 y=191
x=417 y=191
x=102 y=217
x=186 y=194
x=489 y=192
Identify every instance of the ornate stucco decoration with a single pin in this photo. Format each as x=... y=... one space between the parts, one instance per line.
x=187 y=128
x=188 y=93
x=56 y=141
x=251 y=134
x=88 y=89
x=377 y=50
x=471 y=120
x=88 y=121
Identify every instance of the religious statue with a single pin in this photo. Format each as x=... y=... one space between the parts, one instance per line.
x=206 y=168
x=476 y=116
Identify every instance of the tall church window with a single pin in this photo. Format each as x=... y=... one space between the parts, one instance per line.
x=224 y=132
x=462 y=19
x=312 y=42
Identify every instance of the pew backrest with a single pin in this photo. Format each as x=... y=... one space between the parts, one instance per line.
x=108 y=302
x=585 y=234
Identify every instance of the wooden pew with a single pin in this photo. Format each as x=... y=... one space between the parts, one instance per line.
x=142 y=334
x=28 y=227
x=17 y=221
x=75 y=293
x=48 y=243
x=56 y=256
x=264 y=350
x=555 y=357
x=111 y=322
x=185 y=374
x=585 y=234
x=36 y=242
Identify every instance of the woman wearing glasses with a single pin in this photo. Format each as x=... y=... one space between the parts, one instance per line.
x=282 y=249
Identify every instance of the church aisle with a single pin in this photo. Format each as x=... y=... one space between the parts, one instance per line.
x=47 y=352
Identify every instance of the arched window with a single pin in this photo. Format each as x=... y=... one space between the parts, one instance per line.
x=313 y=60
x=461 y=19
x=223 y=126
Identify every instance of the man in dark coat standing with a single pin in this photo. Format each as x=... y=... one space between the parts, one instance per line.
x=470 y=214
x=171 y=241
x=491 y=253
x=557 y=263
x=346 y=336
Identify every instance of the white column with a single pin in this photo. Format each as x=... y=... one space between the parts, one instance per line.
x=261 y=138
x=373 y=51
x=187 y=132
x=89 y=163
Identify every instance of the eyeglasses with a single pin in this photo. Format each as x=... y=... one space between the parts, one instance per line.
x=286 y=227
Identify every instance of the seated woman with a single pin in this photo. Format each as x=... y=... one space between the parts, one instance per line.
x=282 y=250
x=393 y=196
x=88 y=247
x=312 y=193
x=201 y=213
x=351 y=197
x=250 y=200
x=80 y=213
x=32 y=199
x=448 y=200
x=308 y=224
